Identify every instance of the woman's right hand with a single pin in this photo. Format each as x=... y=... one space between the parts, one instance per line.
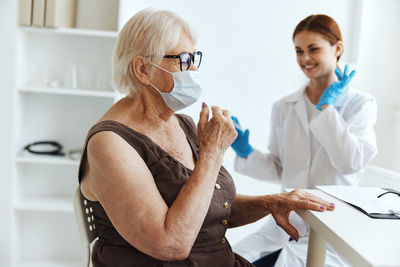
x=217 y=134
x=280 y=206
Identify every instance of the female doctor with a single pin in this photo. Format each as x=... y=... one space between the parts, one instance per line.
x=320 y=135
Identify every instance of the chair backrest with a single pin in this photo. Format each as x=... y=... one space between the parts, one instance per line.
x=380 y=177
x=85 y=220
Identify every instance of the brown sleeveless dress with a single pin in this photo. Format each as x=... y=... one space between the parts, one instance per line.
x=210 y=248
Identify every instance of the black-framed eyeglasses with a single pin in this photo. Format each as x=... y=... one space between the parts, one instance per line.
x=186 y=59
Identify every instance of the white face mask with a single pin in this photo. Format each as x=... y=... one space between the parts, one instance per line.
x=187 y=89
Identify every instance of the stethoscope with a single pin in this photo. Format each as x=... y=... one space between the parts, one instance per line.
x=52 y=148
x=45 y=148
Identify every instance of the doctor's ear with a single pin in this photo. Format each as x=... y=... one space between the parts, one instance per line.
x=339 y=49
x=139 y=64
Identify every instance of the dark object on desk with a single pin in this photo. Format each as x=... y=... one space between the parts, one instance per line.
x=395 y=216
x=368 y=200
x=45 y=148
x=389 y=191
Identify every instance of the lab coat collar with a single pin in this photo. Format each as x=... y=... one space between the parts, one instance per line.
x=300 y=94
x=301 y=111
x=296 y=96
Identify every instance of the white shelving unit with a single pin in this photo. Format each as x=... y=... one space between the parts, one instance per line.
x=44 y=230
x=67 y=91
x=46 y=160
x=73 y=31
x=49 y=204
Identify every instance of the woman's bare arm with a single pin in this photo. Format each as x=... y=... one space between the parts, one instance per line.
x=120 y=180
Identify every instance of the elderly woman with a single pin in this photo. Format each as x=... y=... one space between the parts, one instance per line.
x=159 y=192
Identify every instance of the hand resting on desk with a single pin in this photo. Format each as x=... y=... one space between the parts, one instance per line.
x=284 y=203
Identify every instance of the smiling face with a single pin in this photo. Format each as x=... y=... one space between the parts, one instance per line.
x=316 y=57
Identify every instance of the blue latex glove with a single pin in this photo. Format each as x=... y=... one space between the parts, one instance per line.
x=241 y=144
x=336 y=88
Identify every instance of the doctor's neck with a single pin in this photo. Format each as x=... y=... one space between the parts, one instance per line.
x=317 y=86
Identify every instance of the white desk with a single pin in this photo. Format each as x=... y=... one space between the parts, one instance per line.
x=363 y=241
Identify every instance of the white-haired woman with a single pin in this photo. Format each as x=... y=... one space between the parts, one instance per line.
x=159 y=193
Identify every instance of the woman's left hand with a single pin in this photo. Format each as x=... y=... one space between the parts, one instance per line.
x=336 y=88
x=281 y=205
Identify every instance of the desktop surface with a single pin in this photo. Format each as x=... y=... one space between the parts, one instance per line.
x=362 y=240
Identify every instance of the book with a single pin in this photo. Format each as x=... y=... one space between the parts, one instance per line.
x=60 y=13
x=25 y=12
x=38 y=11
x=97 y=15
x=366 y=199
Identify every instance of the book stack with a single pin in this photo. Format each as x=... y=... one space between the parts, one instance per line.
x=47 y=13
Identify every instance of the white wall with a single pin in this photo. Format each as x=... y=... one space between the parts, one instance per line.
x=8 y=16
x=379 y=74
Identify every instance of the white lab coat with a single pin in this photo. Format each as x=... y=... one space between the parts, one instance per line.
x=346 y=143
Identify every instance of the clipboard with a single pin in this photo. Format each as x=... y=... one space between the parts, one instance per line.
x=367 y=200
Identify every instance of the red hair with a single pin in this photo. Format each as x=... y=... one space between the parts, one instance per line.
x=322 y=24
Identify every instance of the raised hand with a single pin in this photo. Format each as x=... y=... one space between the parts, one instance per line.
x=336 y=88
x=217 y=134
x=241 y=145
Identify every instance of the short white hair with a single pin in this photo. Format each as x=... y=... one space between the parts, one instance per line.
x=149 y=33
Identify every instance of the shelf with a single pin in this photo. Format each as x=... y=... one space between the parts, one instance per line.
x=45 y=159
x=47 y=204
x=71 y=31
x=50 y=264
x=67 y=91
x=42 y=185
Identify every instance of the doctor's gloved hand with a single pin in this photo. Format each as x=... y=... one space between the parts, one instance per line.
x=241 y=144
x=336 y=88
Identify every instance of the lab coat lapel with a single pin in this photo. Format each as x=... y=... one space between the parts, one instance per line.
x=298 y=100
x=301 y=113
x=304 y=139
x=297 y=146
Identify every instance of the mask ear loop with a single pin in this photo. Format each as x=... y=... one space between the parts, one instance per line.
x=160 y=67
x=151 y=85
x=158 y=90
